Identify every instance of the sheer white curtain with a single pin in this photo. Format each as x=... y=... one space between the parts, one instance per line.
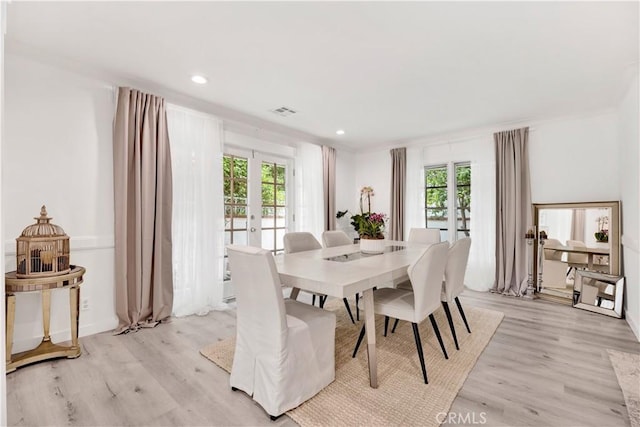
x=479 y=152
x=309 y=189
x=414 y=209
x=198 y=221
x=482 y=257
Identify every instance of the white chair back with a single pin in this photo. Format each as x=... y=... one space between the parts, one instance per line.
x=551 y=254
x=457 y=259
x=575 y=258
x=424 y=235
x=426 y=279
x=260 y=306
x=300 y=241
x=335 y=238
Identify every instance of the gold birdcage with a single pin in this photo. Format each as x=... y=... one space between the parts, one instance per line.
x=42 y=249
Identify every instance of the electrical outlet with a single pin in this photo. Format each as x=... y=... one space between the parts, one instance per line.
x=84 y=304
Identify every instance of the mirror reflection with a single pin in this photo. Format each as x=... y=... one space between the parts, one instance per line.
x=580 y=237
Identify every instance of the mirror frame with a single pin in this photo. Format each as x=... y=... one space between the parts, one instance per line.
x=618 y=293
x=614 y=230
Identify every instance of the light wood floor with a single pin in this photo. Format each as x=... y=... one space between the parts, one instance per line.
x=547 y=365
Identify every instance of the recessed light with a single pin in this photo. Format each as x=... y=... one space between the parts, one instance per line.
x=339 y=132
x=199 y=79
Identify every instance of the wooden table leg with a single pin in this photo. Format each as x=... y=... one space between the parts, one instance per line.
x=10 y=311
x=74 y=305
x=370 y=326
x=294 y=293
x=590 y=261
x=46 y=313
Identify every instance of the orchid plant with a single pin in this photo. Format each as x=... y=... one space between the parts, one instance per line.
x=369 y=225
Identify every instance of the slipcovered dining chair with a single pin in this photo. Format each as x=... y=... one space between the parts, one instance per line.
x=301 y=241
x=284 y=349
x=415 y=305
x=453 y=284
x=334 y=238
x=424 y=235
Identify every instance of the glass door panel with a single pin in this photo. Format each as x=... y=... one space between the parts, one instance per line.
x=256 y=202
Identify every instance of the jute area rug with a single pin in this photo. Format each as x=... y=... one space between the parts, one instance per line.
x=627 y=368
x=402 y=398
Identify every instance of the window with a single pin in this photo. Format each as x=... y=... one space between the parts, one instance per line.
x=235 y=170
x=448 y=189
x=436 y=198
x=463 y=200
x=274 y=209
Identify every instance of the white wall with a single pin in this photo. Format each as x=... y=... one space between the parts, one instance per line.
x=629 y=190
x=3 y=379
x=373 y=169
x=346 y=191
x=57 y=151
x=574 y=160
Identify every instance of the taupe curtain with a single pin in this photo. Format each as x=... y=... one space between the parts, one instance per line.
x=143 y=203
x=398 y=192
x=329 y=186
x=577 y=224
x=513 y=210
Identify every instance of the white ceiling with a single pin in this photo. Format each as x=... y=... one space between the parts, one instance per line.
x=383 y=71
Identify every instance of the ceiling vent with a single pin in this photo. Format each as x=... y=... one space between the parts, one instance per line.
x=284 y=111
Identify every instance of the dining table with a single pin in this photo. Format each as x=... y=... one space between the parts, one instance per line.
x=343 y=271
x=590 y=251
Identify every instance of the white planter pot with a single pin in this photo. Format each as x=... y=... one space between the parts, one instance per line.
x=372 y=246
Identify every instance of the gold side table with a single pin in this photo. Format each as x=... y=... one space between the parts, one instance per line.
x=46 y=349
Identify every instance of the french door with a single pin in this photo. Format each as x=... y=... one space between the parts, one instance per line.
x=258 y=201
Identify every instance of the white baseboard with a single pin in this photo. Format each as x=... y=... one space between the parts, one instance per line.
x=634 y=326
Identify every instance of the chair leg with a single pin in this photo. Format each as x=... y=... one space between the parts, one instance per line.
x=346 y=304
x=313 y=299
x=416 y=335
x=394 y=326
x=386 y=325
x=437 y=331
x=358 y=307
x=464 y=318
x=355 y=351
x=323 y=299
x=445 y=305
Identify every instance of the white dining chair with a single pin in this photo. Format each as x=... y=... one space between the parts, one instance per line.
x=424 y=235
x=577 y=260
x=330 y=239
x=552 y=254
x=419 y=235
x=453 y=283
x=300 y=241
x=335 y=238
x=415 y=305
x=284 y=351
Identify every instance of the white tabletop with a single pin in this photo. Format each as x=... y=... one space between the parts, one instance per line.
x=311 y=271
x=578 y=249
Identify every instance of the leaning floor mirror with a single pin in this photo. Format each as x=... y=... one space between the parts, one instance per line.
x=582 y=240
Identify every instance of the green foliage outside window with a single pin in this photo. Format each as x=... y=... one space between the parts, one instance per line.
x=436 y=194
